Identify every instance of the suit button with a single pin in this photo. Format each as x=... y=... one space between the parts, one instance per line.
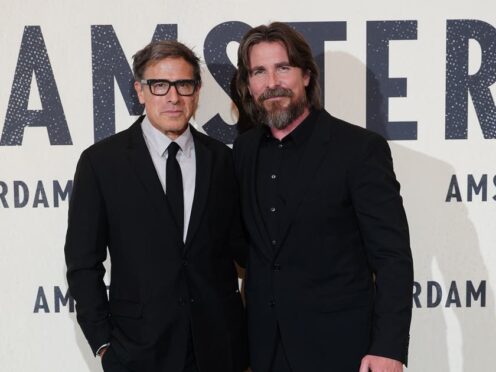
x=276 y=267
x=192 y=300
x=272 y=303
x=185 y=262
x=274 y=242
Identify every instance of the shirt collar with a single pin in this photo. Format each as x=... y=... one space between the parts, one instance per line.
x=159 y=141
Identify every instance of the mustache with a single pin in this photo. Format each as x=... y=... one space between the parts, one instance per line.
x=276 y=92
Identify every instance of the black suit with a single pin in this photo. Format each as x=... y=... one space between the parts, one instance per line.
x=343 y=226
x=161 y=289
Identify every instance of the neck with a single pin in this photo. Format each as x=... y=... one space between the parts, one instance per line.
x=281 y=133
x=174 y=134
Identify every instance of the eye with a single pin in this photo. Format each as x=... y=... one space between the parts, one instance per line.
x=184 y=83
x=284 y=68
x=257 y=72
x=160 y=85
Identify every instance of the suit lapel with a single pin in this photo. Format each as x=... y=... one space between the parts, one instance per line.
x=315 y=151
x=141 y=161
x=202 y=182
x=251 y=179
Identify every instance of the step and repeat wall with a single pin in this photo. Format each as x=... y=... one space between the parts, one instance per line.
x=420 y=73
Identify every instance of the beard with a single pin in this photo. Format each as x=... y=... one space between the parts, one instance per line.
x=276 y=115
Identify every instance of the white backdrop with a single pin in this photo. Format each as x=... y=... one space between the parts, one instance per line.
x=60 y=62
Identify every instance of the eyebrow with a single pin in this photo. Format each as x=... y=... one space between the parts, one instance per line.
x=256 y=68
x=279 y=64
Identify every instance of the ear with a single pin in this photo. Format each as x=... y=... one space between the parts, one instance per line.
x=197 y=92
x=306 y=77
x=196 y=98
x=138 y=87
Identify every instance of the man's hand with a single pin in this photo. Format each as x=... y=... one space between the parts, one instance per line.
x=380 y=364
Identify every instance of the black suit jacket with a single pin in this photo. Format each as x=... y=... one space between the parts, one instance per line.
x=159 y=286
x=339 y=283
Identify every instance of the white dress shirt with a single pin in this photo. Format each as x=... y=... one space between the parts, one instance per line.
x=157 y=144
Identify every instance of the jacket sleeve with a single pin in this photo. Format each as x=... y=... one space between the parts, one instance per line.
x=238 y=236
x=384 y=230
x=85 y=251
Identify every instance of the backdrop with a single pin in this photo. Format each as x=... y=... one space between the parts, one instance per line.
x=420 y=73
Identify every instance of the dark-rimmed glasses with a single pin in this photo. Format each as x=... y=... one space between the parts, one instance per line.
x=160 y=87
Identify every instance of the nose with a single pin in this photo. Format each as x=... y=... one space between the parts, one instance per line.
x=272 y=79
x=172 y=95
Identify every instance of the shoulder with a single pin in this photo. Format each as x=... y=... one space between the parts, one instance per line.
x=108 y=144
x=114 y=145
x=348 y=136
x=248 y=136
x=247 y=140
x=345 y=130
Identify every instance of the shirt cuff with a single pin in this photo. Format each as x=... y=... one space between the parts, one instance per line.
x=101 y=347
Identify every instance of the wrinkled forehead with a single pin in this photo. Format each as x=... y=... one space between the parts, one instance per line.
x=165 y=67
x=267 y=51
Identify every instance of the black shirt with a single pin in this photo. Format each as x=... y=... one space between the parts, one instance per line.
x=277 y=167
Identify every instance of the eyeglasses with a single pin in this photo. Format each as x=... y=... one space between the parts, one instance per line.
x=160 y=87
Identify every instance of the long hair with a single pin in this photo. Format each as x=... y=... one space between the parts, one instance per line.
x=299 y=54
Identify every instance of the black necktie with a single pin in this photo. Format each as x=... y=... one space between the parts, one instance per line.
x=174 y=185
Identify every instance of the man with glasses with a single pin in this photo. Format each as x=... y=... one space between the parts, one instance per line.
x=161 y=197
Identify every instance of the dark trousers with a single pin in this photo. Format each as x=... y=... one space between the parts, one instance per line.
x=190 y=364
x=279 y=360
x=111 y=363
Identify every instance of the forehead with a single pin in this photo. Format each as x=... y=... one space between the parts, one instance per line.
x=171 y=68
x=268 y=53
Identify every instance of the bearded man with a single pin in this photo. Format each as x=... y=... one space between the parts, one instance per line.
x=329 y=276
